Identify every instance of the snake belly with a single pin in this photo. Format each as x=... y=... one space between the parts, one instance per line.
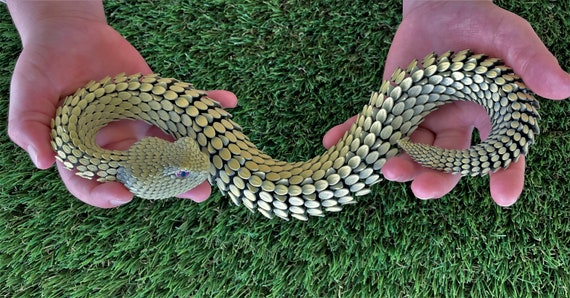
x=324 y=183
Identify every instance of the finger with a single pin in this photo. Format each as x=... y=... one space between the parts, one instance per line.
x=226 y=98
x=199 y=193
x=507 y=184
x=336 y=133
x=426 y=184
x=432 y=184
x=33 y=137
x=403 y=168
x=102 y=195
x=29 y=117
x=523 y=50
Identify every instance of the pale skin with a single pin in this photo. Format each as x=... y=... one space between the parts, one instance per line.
x=68 y=43
x=481 y=26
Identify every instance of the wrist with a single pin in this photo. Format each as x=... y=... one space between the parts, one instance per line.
x=30 y=17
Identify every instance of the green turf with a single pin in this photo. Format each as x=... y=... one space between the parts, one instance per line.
x=298 y=67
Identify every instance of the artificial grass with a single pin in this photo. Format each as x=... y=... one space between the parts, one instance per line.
x=298 y=68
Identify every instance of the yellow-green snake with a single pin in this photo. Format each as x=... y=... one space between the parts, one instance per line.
x=210 y=145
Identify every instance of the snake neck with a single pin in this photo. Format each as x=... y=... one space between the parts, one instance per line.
x=348 y=169
x=76 y=125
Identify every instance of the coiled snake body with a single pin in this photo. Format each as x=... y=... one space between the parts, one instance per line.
x=210 y=145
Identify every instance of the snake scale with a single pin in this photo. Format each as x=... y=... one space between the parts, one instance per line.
x=210 y=145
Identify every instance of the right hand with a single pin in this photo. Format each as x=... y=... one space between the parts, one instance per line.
x=62 y=51
x=483 y=27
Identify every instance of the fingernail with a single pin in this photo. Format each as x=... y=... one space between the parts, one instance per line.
x=117 y=202
x=33 y=155
x=424 y=196
x=392 y=176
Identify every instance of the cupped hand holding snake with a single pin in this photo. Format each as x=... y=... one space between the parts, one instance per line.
x=483 y=27
x=65 y=45
x=52 y=67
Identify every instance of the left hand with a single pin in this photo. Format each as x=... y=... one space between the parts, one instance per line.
x=65 y=45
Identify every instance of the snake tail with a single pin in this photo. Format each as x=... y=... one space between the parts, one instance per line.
x=224 y=154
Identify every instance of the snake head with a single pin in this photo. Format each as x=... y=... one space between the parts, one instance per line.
x=159 y=169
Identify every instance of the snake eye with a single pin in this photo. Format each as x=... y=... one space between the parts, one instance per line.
x=182 y=173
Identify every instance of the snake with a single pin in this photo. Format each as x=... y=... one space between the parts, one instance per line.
x=209 y=145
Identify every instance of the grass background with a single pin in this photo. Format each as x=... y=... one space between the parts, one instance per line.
x=291 y=63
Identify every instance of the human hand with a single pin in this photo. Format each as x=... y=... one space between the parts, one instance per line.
x=65 y=45
x=439 y=26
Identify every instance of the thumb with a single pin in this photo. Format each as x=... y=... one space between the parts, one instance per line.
x=336 y=133
x=544 y=76
x=528 y=56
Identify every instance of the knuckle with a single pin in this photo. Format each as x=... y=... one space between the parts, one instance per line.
x=15 y=133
